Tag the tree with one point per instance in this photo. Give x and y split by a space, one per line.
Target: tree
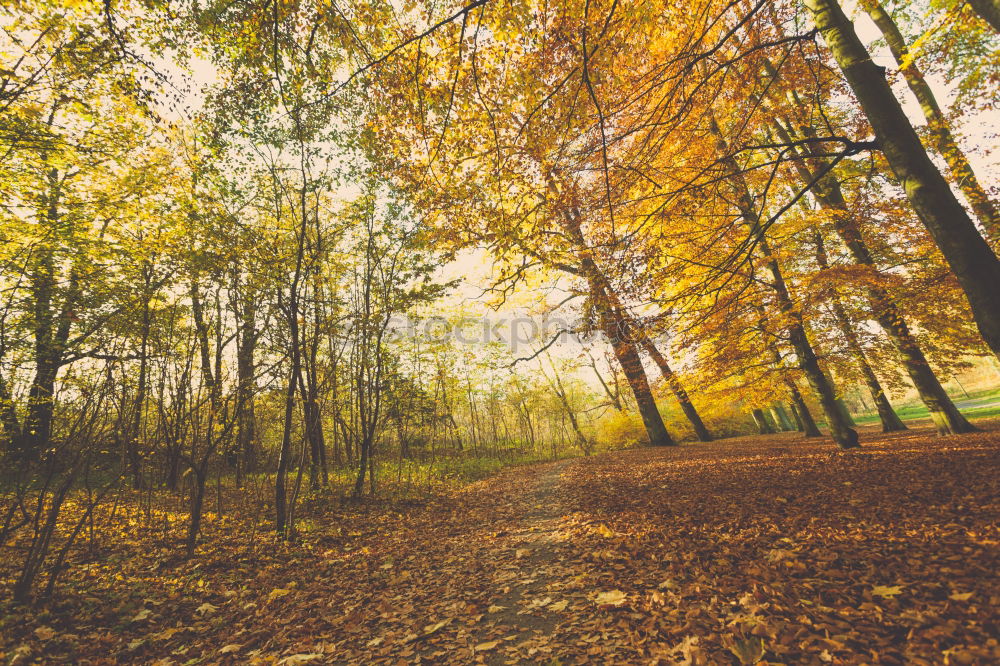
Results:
945 144
970 258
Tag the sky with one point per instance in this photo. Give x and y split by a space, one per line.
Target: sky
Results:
475 270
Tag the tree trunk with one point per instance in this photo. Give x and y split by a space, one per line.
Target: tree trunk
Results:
799 425
962 172
285 452
700 431
197 504
886 414
763 425
246 424
616 326
831 198
132 453
807 424
615 329
965 250
781 417
843 434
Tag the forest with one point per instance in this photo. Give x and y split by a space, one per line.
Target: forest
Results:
499 332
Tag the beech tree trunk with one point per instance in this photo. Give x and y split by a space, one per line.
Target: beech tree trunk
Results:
615 328
806 422
700 431
962 172
845 436
830 197
781 417
887 415
763 426
615 325
967 253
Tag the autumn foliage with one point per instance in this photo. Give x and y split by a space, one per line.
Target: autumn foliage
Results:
580 331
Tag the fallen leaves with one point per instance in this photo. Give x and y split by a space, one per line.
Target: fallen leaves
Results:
679 555
141 615
45 633
747 650
299 659
610 598
205 609
887 591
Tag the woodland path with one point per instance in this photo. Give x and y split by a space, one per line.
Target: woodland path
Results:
747 550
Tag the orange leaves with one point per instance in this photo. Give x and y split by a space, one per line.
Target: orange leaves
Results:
648 556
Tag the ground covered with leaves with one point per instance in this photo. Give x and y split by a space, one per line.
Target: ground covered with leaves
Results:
750 550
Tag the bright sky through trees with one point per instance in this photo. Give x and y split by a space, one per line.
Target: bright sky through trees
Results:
569 332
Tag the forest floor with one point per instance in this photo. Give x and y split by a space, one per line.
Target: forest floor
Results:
748 550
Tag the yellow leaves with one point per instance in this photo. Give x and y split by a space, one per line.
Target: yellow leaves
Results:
960 596
298 659
205 609
428 630
886 591
540 602
522 552
604 531
489 645
277 593
141 615
612 598
779 555
232 647
166 634
45 633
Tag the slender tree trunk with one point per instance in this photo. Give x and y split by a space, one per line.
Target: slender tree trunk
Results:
781 417
197 505
887 415
560 391
843 434
962 172
763 425
700 431
285 452
132 453
245 369
967 253
616 326
211 381
830 196
10 426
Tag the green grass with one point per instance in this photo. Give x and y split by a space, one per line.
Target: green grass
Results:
917 411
